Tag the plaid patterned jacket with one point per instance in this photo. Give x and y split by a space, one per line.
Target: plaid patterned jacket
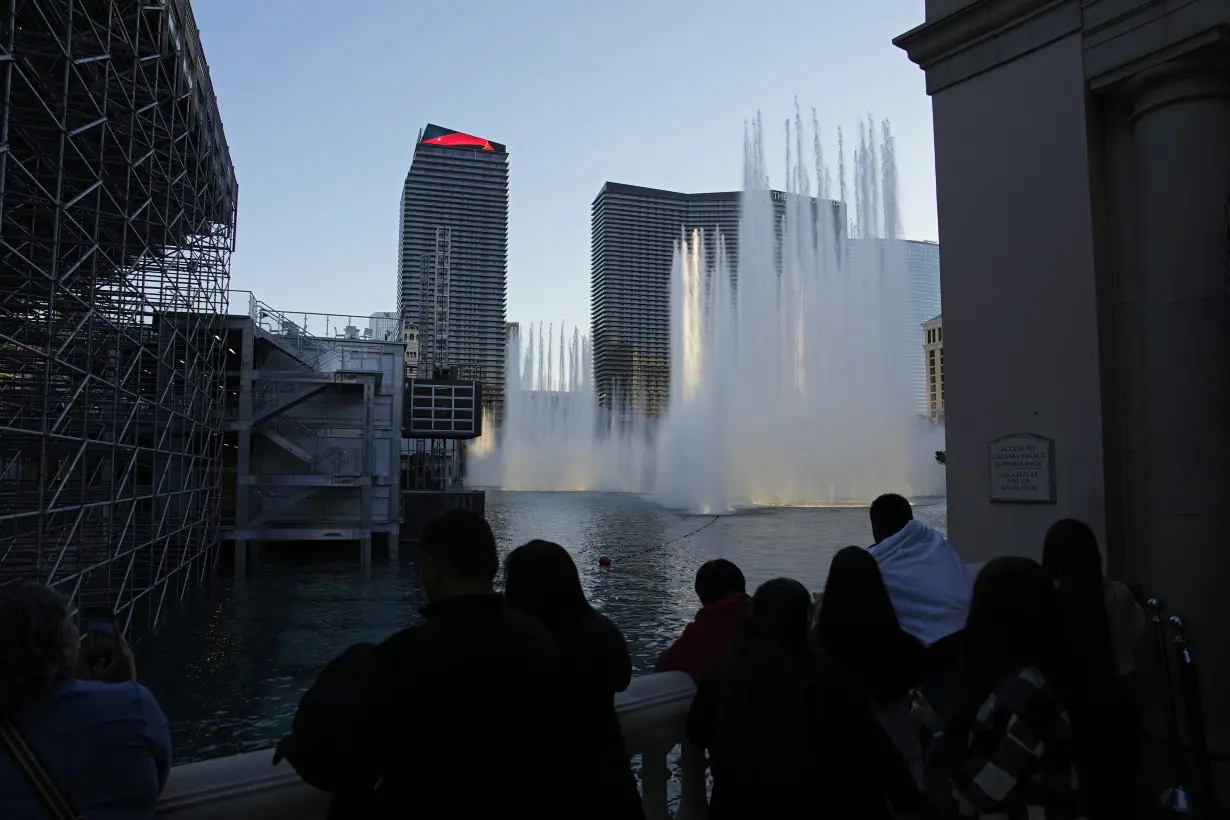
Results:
1019 763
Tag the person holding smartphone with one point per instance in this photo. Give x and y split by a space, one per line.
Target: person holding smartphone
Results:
79 737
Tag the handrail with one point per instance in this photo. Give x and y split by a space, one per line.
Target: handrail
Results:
652 712
277 324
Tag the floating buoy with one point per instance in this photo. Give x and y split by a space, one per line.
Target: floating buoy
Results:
604 561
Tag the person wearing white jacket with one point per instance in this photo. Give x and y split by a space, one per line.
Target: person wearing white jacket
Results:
928 583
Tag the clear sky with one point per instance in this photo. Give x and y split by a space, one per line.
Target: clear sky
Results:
322 102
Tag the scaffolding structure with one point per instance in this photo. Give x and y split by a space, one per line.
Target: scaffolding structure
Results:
118 206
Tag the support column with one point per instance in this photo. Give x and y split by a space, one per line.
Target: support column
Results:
1180 526
243 460
367 473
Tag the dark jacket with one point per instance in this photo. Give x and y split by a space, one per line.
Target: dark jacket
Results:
460 715
794 743
707 638
599 666
322 726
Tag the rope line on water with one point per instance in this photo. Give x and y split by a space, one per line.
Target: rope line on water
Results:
712 520
654 548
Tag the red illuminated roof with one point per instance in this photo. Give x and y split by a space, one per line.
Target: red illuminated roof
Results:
460 140
435 135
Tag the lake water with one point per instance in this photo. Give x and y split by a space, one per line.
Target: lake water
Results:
231 663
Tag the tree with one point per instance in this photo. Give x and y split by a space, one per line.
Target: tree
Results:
941 457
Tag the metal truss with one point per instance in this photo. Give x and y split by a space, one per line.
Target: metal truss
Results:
117 221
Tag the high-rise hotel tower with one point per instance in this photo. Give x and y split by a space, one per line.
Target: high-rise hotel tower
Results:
453 263
633 233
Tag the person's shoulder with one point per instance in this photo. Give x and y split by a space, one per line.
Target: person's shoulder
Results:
1119 596
128 693
528 631
411 640
603 628
123 701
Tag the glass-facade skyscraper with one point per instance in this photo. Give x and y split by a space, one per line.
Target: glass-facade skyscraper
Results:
921 294
453 255
633 231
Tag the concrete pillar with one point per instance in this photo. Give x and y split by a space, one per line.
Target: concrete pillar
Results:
1180 522
367 472
243 460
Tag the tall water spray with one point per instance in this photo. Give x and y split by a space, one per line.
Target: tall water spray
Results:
788 384
554 435
788 381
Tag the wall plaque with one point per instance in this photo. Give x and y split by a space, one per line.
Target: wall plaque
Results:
1022 469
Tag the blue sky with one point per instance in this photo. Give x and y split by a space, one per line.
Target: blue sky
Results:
322 103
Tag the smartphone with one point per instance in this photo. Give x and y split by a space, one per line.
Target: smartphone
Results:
100 644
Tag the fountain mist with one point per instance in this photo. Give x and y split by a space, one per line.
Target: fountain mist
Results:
788 383
554 435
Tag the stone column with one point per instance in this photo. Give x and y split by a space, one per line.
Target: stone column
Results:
1180 527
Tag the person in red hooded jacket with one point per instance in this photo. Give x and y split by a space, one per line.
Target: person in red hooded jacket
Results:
725 608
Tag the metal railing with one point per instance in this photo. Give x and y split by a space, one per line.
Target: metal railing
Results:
318 338
320 452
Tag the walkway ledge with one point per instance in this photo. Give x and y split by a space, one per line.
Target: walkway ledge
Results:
652 712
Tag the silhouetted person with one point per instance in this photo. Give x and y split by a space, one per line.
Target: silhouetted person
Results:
98 734
1104 624
928 584
858 628
323 725
787 735
1107 617
462 710
541 580
724 608
1011 748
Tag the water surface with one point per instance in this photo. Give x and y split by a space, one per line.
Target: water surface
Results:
230 665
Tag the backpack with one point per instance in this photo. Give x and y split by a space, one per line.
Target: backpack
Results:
319 745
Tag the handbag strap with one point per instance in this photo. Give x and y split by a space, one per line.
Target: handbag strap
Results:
55 801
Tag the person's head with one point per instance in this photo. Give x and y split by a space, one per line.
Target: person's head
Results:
1070 551
718 578
40 643
541 579
856 612
459 555
889 515
781 610
1014 621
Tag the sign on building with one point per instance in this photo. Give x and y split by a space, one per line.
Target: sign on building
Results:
1022 469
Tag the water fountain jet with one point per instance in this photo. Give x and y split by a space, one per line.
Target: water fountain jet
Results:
788 383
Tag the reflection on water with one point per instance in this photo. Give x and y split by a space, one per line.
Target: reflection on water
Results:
230 666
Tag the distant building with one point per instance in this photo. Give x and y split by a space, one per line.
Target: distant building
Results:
383 326
922 266
933 361
453 261
410 335
511 329
633 231
922 299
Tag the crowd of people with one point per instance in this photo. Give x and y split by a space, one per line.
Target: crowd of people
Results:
906 688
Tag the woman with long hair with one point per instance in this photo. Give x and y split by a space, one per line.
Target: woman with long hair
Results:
858 627
1102 614
1104 624
106 747
1011 747
785 730
541 580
